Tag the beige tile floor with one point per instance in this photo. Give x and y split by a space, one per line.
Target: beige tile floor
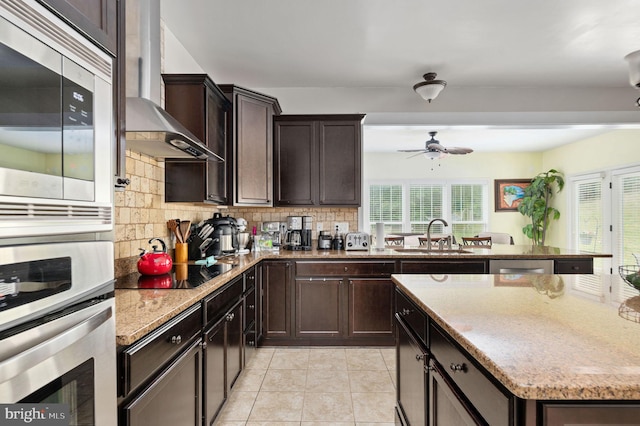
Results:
314 386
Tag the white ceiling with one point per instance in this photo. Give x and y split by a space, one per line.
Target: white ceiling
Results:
525 75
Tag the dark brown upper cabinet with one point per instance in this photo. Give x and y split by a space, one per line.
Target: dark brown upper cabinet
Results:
197 102
250 139
317 160
97 19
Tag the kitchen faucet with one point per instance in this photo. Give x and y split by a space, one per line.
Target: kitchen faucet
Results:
444 222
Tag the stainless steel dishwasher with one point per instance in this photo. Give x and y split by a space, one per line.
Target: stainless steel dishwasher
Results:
521 266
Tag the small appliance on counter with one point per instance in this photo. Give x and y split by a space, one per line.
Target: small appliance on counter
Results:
271 231
298 235
357 241
216 237
324 240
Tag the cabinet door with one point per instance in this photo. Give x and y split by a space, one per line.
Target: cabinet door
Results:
340 145
214 370
233 344
446 405
217 109
295 163
95 18
411 375
277 299
319 307
254 151
174 398
371 308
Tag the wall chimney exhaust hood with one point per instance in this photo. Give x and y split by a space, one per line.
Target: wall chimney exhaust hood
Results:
150 129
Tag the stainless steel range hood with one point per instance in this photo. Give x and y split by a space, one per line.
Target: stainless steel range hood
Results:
150 129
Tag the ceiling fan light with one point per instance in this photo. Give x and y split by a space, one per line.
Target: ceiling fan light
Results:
430 88
432 154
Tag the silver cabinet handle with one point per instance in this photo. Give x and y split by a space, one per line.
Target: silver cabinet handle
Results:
230 317
176 340
419 357
457 367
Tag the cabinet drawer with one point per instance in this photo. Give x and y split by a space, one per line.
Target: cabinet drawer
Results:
214 306
250 308
338 268
412 316
486 397
142 359
250 279
573 266
444 267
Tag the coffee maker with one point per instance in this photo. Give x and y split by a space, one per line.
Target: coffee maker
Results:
298 235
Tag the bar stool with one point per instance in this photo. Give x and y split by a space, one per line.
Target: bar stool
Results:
394 241
484 242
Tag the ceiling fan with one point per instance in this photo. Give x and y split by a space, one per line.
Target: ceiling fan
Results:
433 149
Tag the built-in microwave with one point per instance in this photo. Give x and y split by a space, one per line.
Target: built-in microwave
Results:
56 126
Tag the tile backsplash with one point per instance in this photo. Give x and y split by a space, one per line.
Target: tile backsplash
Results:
141 212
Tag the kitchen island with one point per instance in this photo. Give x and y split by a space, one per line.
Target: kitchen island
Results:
530 349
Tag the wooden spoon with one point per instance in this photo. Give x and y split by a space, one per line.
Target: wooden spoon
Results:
185 229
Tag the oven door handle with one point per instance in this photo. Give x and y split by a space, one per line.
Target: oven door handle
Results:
23 361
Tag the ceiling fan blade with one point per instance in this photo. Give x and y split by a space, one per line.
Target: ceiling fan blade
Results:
415 155
458 150
411 150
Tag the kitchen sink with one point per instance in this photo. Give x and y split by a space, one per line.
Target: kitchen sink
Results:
425 250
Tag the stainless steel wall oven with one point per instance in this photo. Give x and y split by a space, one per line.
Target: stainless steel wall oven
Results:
57 308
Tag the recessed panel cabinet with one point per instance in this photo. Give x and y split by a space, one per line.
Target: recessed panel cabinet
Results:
199 105
318 160
97 19
250 139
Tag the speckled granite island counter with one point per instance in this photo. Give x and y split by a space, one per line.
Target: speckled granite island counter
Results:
556 344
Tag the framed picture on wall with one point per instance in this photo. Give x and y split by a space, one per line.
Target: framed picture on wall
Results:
509 193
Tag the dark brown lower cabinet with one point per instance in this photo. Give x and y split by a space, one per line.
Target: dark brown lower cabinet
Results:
447 406
174 398
411 386
319 307
371 307
466 266
277 287
214 384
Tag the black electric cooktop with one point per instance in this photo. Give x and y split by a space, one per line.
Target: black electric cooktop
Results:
182 276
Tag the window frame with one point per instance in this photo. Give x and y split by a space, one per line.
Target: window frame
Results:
447 184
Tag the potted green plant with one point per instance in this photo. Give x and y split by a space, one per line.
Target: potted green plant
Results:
535 204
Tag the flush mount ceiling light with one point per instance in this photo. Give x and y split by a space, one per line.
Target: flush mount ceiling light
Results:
430 88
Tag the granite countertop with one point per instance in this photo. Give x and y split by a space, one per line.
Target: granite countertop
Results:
542 336
139 311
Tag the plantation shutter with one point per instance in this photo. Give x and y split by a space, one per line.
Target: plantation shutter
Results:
588 228
425 204
626 188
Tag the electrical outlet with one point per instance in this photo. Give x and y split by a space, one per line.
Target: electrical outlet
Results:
319 226
343 227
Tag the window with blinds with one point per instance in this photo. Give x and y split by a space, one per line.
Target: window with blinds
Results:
626 226
385 205
410 206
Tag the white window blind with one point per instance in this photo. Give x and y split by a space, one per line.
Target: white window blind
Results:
626 189
385 205
410 206
425 204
